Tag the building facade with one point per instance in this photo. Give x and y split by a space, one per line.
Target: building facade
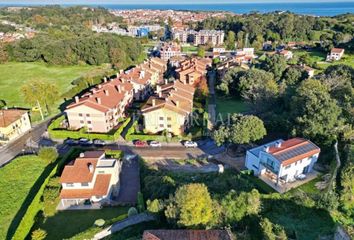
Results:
91 178
169 50
202 37
13 123
335 54
283 160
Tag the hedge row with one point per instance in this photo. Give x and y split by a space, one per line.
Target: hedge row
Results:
36 205
56 132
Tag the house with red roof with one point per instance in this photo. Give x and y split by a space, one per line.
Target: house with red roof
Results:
13 123
283 161
335 54
89 179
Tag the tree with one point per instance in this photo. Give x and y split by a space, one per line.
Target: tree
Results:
242 129
201 51
236 206
316 115
347 192
154 206
230 41
40 92
132 212
192 206
48 154
2 104
293 76
275 64
267 229
38 234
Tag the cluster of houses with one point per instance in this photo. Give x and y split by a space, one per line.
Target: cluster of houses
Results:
133 31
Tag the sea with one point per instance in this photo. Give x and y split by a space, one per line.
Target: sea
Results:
330 8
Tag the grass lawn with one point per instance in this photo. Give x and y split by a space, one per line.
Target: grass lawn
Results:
189 49
16 181
67 224
13 75
225 105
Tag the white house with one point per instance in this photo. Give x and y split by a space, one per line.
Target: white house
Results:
283 160
335 54
90 178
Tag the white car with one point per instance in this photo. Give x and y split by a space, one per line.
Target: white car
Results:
190 144
155 144
301 177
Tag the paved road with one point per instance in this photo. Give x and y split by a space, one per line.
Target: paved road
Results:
17 147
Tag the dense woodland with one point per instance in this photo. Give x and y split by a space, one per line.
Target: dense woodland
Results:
253 29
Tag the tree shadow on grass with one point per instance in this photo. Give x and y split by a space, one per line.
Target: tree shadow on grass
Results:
299 221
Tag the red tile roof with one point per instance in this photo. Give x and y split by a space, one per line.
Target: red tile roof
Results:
187 235
100 188
8 116
78 171
337 50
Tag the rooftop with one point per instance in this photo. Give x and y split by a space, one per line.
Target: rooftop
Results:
8 116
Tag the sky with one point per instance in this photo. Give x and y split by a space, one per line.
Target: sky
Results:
155 1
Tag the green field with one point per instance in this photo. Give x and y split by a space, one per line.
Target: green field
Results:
67 224
17 180
229 105
14 75
190 49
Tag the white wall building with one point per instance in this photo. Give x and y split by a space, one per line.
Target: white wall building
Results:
283 160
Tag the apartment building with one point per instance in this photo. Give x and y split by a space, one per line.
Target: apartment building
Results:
141 81
156 67
168 50
13 123
89 179
203 37
101 109
169 109
192 70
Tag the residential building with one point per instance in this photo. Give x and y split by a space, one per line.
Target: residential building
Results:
183 234
141 81
13 123
101 108
286 54
282 161
203 37
169 50
190 71
335 54
310 71
156 67
169 109
90 178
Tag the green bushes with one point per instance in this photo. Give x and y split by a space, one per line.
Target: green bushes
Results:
38 234
141 205
132 212
55 131
48 154
114 153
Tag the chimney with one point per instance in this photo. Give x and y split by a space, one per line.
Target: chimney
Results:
82 155
105 79
99 86
76 99
160 94
166 81
118 87
90 167
266 148
106 92
153 102
278 144
98 100
177 104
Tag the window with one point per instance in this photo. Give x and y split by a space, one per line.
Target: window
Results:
169 125
161 118
287 167
84 184
81 121
69 184
169 118
87 115
89 122
161 125
80 114
254 166
90 129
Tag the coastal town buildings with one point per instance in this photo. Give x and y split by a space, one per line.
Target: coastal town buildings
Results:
168 50
283 161
335 54
13 123
90 179
190 71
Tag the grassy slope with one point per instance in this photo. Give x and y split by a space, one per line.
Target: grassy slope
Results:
66 224
14 75
16 180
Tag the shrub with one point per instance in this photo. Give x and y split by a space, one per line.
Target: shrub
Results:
132 212
38 234
154 206
141 205
48 154
99 222
114 153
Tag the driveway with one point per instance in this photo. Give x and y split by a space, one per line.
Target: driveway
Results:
129 182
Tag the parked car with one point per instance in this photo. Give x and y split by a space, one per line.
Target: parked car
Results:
155 144
99 142
71 142
301 177
140 143
190 144
84 142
